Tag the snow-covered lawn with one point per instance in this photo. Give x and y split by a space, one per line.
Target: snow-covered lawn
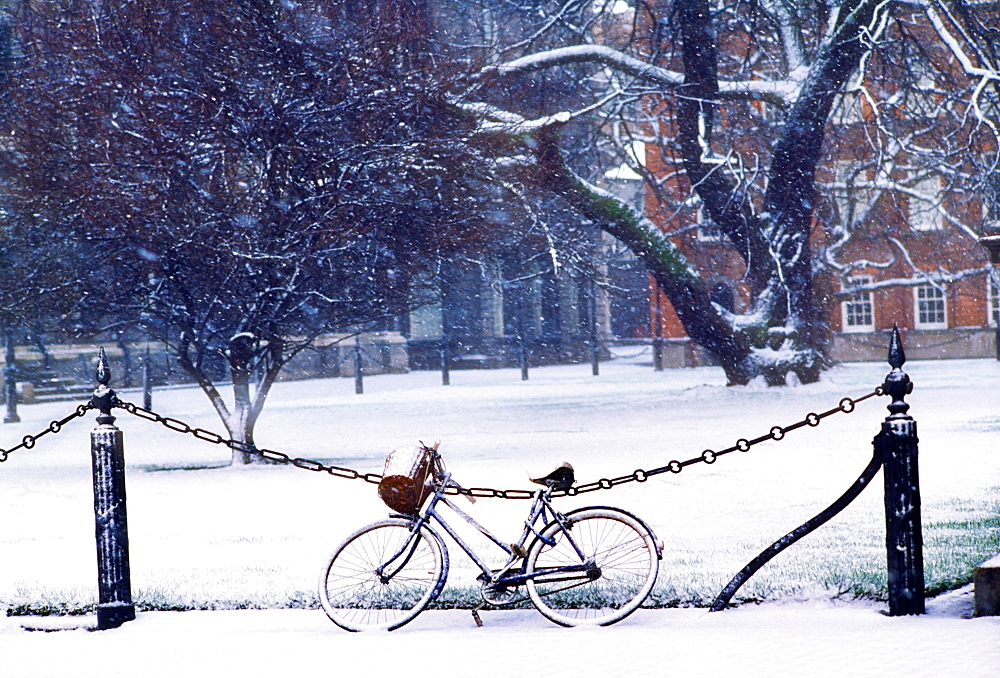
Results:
234 537
207 537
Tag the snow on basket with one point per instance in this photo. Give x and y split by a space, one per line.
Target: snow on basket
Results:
406 480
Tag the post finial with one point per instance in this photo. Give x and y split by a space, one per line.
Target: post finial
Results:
897 383
103 371
897 356
104 398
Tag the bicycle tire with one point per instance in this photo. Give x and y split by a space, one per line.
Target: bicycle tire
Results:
626 563
355 598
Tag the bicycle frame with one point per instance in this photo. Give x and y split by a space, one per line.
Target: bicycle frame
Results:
541 510
589 566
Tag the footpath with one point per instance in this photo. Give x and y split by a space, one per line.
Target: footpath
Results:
797 638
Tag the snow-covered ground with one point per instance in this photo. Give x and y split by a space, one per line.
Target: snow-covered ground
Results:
208 537
811 640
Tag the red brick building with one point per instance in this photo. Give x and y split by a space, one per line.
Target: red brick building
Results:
894 238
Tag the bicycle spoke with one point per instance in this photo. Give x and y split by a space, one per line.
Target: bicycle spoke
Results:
355 596
621 567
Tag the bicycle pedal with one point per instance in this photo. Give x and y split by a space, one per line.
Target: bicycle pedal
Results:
518 551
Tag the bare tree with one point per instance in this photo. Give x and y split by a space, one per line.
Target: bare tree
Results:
236 178
748 104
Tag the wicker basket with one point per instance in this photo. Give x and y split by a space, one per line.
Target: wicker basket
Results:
406 480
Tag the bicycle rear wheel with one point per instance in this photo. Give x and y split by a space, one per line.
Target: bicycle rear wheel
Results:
383 576
614 577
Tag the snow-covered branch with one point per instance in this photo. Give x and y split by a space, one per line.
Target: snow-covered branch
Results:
780 92
959 51
920 278
790 30
589 54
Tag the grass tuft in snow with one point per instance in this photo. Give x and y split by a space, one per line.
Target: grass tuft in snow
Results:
952 550
46 602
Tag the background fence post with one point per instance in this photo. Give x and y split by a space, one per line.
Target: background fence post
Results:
10 378
107 452
657 334
359 374
595 349
522 356
445 361
897 445
147 381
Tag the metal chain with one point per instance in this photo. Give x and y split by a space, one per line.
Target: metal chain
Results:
270 455
27 442
846 406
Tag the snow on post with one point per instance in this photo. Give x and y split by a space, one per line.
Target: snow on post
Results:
107 452
897 445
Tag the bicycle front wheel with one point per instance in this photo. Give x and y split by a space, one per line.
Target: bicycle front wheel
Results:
383 576
613 577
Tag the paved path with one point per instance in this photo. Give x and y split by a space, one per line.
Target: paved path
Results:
780 639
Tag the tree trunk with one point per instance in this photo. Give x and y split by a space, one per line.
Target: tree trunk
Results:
777 251
682 285
242 349
729 208
241 422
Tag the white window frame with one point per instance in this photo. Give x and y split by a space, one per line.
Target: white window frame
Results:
988 217
710 233
924 214
858 306
926 294
624 171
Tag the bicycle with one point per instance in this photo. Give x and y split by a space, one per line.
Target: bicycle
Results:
591 566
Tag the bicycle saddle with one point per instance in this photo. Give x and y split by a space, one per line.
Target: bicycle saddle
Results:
560 479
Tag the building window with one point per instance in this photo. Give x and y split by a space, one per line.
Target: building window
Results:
857 309
925 206
707 230
624 172
847 110
930 309
992 302
851 192
990 179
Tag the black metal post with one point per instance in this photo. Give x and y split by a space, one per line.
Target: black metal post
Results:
657 332
595 362
896 443
10 378
126 361
147 381
522 325
523 356
359 377
167 367
107 452
445 361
